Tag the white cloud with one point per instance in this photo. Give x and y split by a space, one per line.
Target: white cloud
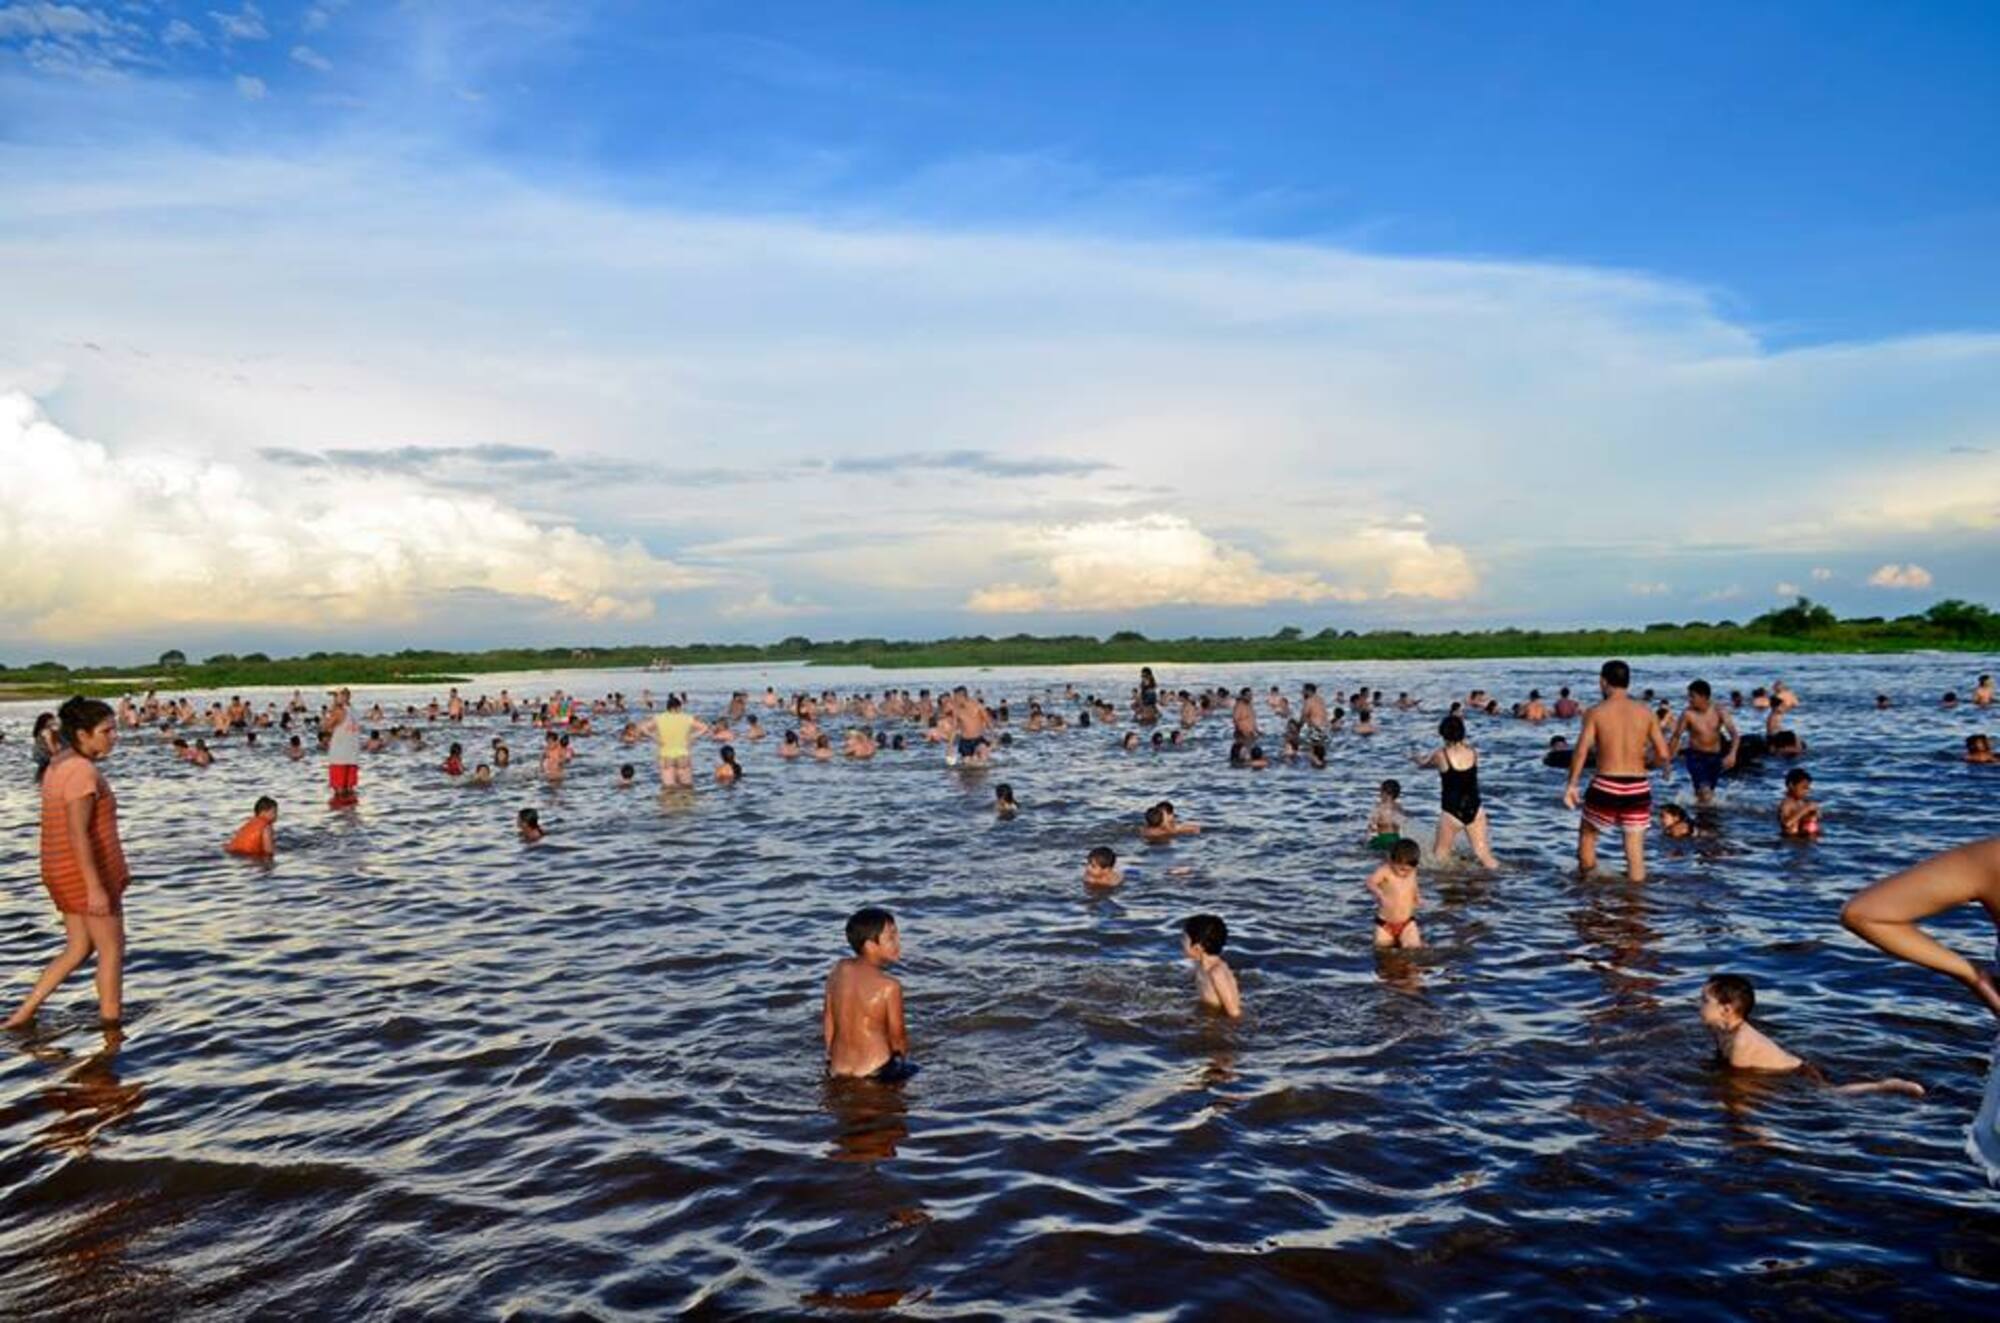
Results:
95 544
1900 576
246 24
1164 560
250 89
1821 574
180 32
1648 589
311 58
1728 594
1786 590
49 20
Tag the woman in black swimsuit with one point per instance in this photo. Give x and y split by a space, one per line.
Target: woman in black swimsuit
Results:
1458 783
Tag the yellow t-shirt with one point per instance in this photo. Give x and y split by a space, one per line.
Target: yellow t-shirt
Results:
674 728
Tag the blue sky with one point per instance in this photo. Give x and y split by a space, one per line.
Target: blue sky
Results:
677 321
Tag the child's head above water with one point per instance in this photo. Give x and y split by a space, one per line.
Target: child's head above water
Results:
1674 820
1727 1000
265 804
1392 789
873 926
1405 853
1206 933
1796 778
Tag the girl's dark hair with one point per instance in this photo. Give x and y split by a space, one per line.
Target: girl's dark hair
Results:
1452 730
80 714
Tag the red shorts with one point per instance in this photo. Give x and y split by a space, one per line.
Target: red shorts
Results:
1624 803
343 776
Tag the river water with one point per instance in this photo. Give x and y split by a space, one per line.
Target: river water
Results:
415 1068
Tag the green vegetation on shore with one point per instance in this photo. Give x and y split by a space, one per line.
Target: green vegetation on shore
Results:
1802 627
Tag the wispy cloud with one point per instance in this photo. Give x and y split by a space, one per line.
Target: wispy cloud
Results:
311 59
981 462
246 24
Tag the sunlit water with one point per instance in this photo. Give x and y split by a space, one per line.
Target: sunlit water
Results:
416 1068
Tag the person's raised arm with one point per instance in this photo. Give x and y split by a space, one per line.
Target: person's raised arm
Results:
1886 914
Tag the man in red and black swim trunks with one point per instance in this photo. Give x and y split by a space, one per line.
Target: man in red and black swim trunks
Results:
1621 733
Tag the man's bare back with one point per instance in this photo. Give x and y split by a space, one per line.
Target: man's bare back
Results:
863 1018
1621 730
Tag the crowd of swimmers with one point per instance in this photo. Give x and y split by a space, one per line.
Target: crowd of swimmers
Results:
1623 743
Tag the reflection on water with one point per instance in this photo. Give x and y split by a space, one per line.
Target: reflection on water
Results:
425 1070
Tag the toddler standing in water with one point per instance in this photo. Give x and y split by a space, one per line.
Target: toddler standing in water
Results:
1726 1003
1385 824
861 1016
1394 884
1202 940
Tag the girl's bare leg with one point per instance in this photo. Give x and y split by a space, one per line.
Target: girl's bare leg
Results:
1477 833
76 949
1886 914
107 932
1447 837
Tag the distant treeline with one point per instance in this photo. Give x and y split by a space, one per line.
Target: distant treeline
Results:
1802 627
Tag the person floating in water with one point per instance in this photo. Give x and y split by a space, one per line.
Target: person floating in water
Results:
1202 939
1798 815
1979 749
861 1017
1727 1001
1703 725
255 839
1394 885
1162 825
1675 824
1100 869
1617 735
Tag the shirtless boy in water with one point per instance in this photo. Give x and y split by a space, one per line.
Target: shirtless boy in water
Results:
1202 940
1703 724
862 1016
1394 884
254 839
1619 733
1726 1003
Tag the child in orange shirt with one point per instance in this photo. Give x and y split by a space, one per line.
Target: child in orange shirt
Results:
254 838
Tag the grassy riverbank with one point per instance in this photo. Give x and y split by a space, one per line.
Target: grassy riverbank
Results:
1804 627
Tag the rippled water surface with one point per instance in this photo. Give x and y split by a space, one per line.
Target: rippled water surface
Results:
415 1068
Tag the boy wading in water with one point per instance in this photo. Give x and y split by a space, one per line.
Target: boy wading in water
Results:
1620 732
863 1013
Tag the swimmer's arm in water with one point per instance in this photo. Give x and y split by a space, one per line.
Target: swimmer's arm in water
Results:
1886 914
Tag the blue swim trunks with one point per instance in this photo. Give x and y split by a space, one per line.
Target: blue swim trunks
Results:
1704 769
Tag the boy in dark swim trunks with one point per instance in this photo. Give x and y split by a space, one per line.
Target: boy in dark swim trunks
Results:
1726 1003
1394 884
1703 725
1202 939
861 1016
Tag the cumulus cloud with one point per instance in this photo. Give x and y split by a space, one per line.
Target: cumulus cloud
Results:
311 59
1785 589
49 20
1900 576
1165 560
95 543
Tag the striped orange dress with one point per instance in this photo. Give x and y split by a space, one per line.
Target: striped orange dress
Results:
72 777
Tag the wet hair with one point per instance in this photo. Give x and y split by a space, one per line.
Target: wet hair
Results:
1256 752
865 925
1951 696
673 702
1405 852
264 802
1699 688
1003 793
1974 743
1734 991
791 737
1452 730
1616 674
80 714
1393 788
1674 811
528 818
1798 776
626 771
1103 856
1206 931
457 750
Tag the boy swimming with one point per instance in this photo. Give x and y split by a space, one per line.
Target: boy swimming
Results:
528 824
1003 801
254 838
1702 724
1394 884
1161 824
1202 940
1675 824
861 1016
1100 868
1726 1003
